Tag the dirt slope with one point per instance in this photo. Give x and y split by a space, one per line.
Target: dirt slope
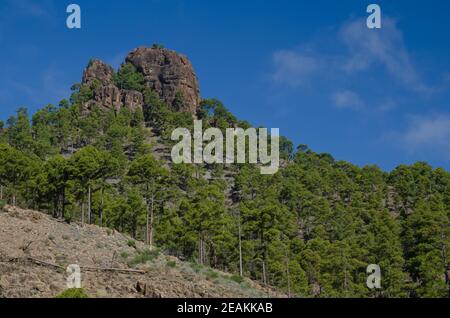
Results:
35 250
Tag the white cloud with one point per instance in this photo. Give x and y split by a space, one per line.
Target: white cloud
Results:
385 47
430 133
347 100
347 58
294 68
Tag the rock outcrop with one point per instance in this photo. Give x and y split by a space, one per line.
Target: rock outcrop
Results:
166 72
107 95
98 70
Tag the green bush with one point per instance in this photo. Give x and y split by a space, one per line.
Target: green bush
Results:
211 274
131 243
73 293
129 78
2 204
237 278
196 267
171 264
143 257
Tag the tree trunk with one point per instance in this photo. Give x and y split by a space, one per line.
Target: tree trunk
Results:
63 208
55 211
101 209
264 273
89 204
147 207
82 211
288 277
241 272
1 192
201 249
151 222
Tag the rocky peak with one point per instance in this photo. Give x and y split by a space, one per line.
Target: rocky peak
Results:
166 72
169 74
98 70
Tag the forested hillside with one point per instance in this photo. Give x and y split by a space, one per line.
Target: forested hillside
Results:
309 230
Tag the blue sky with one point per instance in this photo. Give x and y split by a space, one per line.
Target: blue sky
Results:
310 68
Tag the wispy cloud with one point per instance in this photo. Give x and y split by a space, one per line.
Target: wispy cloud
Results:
51 87
347 99
294 68
384 47
348 57
425 134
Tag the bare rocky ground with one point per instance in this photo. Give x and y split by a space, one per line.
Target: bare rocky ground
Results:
35 250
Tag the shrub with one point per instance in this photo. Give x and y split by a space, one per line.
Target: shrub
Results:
2 204
196 267
131 243
129 78
237 278
211 274
73 293
171 264
124 254
143 257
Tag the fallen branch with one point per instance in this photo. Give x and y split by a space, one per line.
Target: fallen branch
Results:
39 262
85 268
124 270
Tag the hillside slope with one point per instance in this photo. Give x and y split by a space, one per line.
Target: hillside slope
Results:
35 249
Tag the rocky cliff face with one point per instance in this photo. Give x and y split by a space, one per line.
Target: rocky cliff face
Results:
166 72
107 95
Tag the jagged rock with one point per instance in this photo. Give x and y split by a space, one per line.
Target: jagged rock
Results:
132 100
107 95
168 73
98 70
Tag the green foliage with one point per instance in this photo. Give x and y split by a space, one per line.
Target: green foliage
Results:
214 113
171 264
309 230
237 278
131 243
157 46
73 293
211 274
129 78
144 256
